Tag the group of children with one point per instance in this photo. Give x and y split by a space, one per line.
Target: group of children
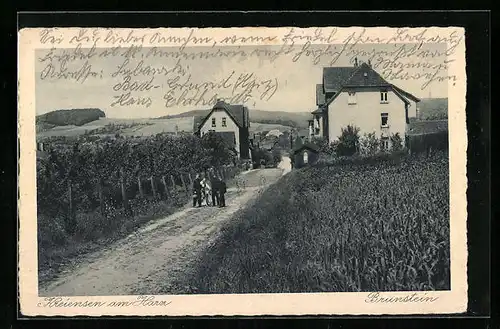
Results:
202 187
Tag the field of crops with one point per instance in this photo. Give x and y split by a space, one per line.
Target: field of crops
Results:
381 225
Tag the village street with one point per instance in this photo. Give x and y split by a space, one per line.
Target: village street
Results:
153 258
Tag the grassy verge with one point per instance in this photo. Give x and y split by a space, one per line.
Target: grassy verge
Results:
374 225
58 249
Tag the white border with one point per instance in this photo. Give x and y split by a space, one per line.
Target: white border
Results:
454 301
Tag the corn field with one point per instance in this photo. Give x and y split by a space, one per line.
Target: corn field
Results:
377 226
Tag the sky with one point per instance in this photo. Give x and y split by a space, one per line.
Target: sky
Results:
290 79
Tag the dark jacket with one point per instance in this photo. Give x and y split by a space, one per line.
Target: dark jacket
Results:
222 187
197 184
215 184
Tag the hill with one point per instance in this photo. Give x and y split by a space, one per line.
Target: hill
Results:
283 118
433 108
74 117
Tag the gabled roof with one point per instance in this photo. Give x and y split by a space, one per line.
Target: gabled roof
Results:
405 93
365 76
307 145
337 78
334 78
236 112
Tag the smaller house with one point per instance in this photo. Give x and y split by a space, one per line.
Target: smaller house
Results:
232 123
304 154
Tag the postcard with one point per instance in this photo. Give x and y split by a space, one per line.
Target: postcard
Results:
242 171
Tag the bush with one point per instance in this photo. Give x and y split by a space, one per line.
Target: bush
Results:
348 141
396 142
323 145
369 144
276 154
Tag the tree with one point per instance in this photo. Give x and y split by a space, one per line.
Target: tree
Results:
218 152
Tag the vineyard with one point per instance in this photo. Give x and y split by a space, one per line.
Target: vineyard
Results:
377 225
91 190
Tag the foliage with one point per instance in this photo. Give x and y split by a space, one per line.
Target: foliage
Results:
324 146
94 168
262 156
348 141
77 117
352 226
369 144
396 142
276 156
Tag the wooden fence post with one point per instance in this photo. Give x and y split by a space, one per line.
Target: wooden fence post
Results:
190 179
153 189
184 184
174 186
141 192
165 186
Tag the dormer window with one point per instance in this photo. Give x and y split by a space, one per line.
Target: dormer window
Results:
351 98
383 96
213 122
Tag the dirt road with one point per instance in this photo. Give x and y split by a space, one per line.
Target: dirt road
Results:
137 264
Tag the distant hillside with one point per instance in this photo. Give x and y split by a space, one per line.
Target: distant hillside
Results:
291 119
75 117
433 109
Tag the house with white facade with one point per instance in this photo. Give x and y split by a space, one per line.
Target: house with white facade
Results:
232 123
359 96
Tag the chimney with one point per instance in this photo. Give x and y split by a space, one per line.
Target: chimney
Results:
355 61
369 63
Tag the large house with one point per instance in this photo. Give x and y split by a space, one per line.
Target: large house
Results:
232 123
359 96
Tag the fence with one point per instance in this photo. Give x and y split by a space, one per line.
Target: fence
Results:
127 190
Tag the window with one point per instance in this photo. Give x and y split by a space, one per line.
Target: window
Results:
384 143
224 123
351 98
213 122
383 97
306 157
384 119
